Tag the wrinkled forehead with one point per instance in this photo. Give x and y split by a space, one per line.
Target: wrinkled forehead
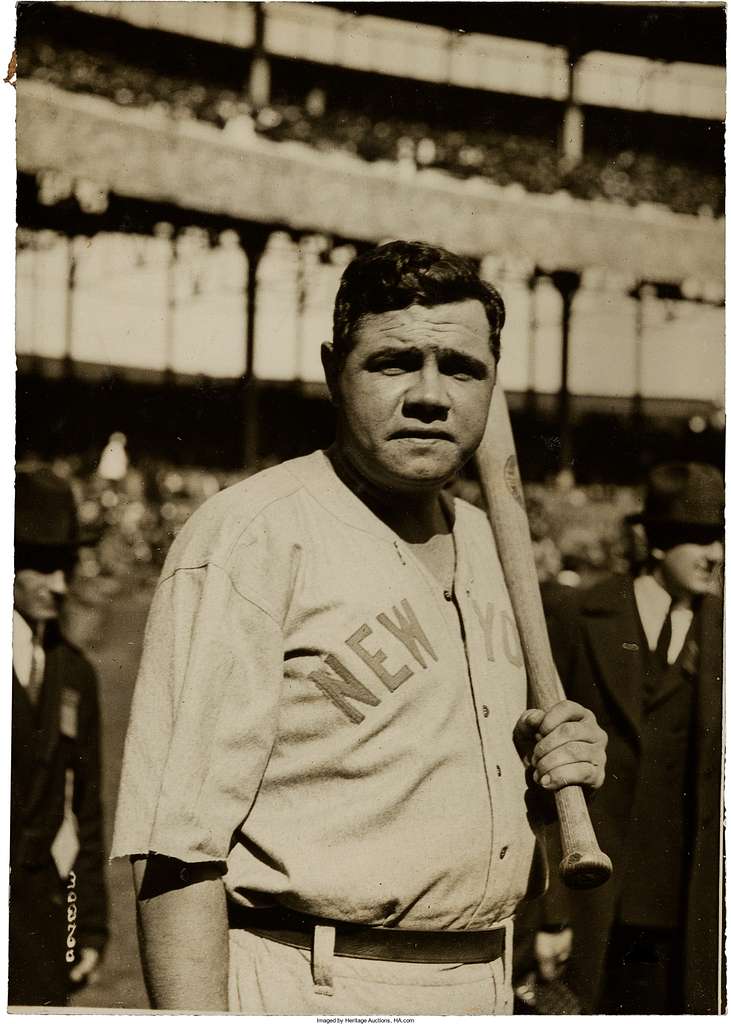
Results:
452 324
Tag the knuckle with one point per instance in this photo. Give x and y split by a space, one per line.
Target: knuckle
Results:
575 751
565 732
539 751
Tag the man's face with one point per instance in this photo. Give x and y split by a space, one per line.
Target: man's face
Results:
38 595
413 394
687 570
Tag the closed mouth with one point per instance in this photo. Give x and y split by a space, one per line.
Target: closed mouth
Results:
422 435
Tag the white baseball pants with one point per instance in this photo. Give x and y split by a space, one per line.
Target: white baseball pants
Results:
267 977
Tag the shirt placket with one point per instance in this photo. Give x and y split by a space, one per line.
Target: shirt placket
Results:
495 734
456 600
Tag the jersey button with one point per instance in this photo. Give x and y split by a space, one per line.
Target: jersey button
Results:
447 595
503 852
485 711
499 771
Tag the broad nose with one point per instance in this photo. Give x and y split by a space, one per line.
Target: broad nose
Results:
428 397
714 552
57 582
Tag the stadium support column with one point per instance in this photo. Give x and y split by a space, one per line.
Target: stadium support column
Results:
566 283
572 134
68 327
643 294
259 71
532 370
253 242
167 233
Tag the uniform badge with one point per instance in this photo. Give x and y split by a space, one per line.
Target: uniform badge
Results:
69 723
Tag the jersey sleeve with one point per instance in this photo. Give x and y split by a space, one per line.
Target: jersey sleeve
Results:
203 718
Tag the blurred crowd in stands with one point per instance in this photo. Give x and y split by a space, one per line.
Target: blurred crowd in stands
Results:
130 514
485 154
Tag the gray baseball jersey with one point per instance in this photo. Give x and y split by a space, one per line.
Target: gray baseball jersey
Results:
314 711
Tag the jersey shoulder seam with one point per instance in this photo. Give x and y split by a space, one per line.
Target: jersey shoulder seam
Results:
209 562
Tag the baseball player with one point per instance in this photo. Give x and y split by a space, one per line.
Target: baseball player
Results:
325 782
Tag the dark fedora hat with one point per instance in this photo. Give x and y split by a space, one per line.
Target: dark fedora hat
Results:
45 511
684 494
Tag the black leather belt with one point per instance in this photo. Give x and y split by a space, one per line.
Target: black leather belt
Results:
357 940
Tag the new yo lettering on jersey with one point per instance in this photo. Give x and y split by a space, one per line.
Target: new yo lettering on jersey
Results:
500 633
384 653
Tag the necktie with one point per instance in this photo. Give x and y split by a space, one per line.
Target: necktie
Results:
663 641
37 669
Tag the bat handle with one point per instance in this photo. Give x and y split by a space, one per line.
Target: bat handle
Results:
584 865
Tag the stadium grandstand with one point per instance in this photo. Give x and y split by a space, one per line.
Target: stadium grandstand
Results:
192 178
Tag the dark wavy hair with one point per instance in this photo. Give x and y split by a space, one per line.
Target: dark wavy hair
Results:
400 274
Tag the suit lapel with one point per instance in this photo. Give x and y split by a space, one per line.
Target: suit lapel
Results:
673 678
50 706
23 711
616 643
680 673
47 727
707 657
23 740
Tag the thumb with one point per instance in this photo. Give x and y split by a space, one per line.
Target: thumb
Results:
525 733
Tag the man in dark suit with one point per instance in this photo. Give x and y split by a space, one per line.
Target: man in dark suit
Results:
645 654
57 922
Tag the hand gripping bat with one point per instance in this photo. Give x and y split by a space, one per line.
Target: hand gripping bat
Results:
583 866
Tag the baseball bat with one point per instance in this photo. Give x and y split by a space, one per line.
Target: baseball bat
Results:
584 865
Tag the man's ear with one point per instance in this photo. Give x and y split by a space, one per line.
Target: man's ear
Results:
331 366
658 554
